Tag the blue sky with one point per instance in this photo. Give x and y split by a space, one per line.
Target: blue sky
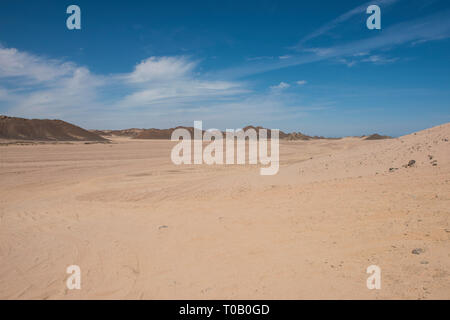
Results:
309 66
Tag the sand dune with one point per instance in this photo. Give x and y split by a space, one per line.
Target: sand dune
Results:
142 228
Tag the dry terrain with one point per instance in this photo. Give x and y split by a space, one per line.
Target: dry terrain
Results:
141 227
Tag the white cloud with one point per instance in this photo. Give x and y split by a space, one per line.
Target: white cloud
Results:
38 87
32 86
301 82
361 54
169 80
282 85
259 58
191 90
349 63
161 69
377 59
14 63
158 92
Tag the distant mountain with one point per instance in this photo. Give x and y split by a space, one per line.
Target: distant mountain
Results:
298 136
58 130
167 133
44 130
133 132
281 135
142 133
376 136
161 133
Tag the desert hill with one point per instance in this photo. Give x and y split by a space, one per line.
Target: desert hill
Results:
167 133
376 136
161 133
44 130
133 132
14 128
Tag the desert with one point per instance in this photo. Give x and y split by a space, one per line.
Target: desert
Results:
141 227
223 159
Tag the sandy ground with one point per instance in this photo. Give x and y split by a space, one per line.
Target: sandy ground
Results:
142 228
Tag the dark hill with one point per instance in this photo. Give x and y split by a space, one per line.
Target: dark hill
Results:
376 136
43 130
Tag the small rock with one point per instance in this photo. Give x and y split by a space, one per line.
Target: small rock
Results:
423 262
430 157
163 227
392 169
417 251
411 163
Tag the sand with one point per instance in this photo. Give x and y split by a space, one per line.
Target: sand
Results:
140 227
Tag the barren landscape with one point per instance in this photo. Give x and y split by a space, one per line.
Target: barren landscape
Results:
141 227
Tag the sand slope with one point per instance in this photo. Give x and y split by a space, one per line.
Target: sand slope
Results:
142 228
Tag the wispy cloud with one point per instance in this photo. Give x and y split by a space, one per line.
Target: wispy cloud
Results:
161 69
159 91
342 18
374 59
168 80
349 63
259 58
34 86
15 64
377 59
282 85
430 28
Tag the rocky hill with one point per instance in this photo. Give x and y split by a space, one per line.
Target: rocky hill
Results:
13 128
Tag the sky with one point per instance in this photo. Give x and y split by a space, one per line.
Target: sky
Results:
308 66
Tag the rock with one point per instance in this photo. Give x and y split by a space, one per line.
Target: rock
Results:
163 227
417 251
411 163
392 169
